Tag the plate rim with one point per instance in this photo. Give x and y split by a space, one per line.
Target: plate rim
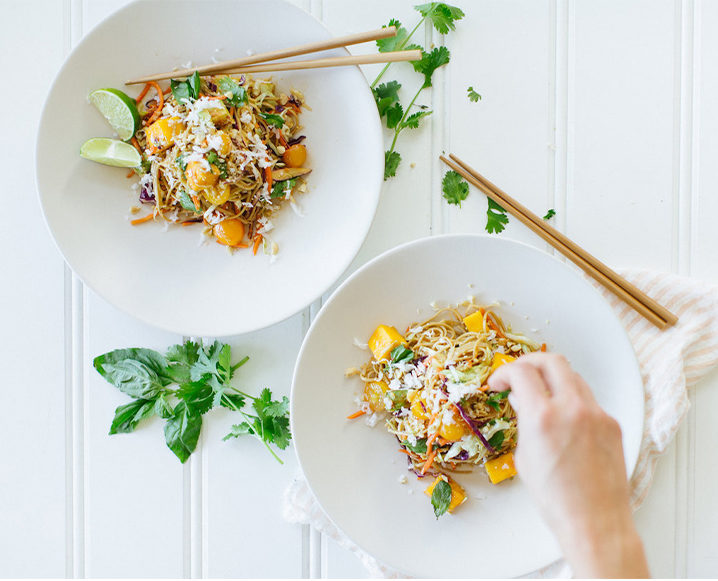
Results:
374 133
427 240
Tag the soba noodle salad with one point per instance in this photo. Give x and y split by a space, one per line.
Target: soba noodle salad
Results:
429 386
224 152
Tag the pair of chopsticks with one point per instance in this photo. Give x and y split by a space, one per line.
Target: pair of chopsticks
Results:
636 298
242 65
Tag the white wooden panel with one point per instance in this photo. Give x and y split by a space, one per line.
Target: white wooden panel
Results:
703 502
404 211
32 481
503 50
133 482
620 203
244 534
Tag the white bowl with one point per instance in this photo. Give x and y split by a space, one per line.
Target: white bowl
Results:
165 278
354 470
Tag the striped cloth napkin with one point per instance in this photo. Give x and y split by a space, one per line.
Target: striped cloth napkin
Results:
671 361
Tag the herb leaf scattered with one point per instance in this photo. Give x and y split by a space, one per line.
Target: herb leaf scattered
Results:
218 162
396 42
473 95
187 203
419 447
272 119
494 399
235 93
203 374
386 95
430 61
412 121
441 15
401 354
496 440
180 90
391 162
549 214
441 498
496 218
454 188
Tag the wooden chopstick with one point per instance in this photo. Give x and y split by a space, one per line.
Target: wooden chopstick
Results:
632 295
321 45
337 61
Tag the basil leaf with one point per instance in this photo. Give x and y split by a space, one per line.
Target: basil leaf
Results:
441 498
182 431
496 440
163 408
187 203
194 85
129 415
280 189
180 90
273 119
141 373
419 447
401 354
236 95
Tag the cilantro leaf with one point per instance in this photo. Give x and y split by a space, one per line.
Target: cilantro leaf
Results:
194 84
393 43
187 203
198 394
441 15
454 188
231 401
394 115
392 159
496 218
473 95
494 399
182 430
280 189
496 440
272 119
550 214
401 354
271 424
141 373
129 415
214 361
419 447
217 161
430 61
412 121
239 430
236 94
386 95
441 497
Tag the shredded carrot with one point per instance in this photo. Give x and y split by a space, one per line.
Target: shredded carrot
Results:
493 325
190 222
282 140
257 241
356 415
430 440
136 144
220 97
195 201
142 94
405 451
167 91
429 461
158 110
130 174
268 177
142 220
543 347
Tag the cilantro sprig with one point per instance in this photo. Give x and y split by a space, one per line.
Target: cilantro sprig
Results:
202 375
474 97
397 117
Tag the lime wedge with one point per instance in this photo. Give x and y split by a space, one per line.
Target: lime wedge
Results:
119 110
110 152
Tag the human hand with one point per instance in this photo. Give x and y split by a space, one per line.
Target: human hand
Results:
570 457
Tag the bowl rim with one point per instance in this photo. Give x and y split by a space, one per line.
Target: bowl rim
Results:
397 250
374 133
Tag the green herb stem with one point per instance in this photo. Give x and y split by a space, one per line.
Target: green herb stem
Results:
399 125
401 46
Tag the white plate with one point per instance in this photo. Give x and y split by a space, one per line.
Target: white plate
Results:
354 470
165 278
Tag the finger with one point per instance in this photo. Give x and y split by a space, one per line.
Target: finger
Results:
527 385
558 375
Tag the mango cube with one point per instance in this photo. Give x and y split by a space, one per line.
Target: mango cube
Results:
500 468
161 134
384 340
499 360
458 495
374 395
474 322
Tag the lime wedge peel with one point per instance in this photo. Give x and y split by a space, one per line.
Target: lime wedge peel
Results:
119 109
110 152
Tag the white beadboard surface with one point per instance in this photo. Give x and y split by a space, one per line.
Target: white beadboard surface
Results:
606 111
